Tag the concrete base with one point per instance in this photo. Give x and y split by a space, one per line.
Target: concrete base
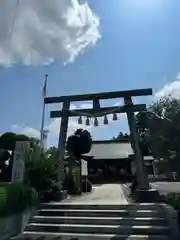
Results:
63 195
148 196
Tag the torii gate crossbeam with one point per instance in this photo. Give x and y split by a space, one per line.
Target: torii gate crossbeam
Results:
128 107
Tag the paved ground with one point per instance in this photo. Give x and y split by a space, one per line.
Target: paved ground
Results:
102 194
164 187
167 187
114 194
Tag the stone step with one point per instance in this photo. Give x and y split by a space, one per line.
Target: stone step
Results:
156 221
101 229
90 206
79 236
99 213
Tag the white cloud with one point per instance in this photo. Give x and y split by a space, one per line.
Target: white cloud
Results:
29 131
72 106
86 105
43 31
171 89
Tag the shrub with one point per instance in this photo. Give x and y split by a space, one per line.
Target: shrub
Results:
42 171
52 193
15 197
172 199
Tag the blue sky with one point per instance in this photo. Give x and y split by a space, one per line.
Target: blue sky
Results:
139 48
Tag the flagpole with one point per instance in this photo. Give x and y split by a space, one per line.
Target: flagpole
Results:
43 113
42 126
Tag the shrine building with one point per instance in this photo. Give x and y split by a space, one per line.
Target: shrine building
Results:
111 160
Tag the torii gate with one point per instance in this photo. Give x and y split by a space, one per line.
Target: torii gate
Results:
129 108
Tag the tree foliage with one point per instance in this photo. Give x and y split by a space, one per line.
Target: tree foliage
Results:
4 156
79 143
41 171
7 144
164 131
142 120
8 140
40 166
121 136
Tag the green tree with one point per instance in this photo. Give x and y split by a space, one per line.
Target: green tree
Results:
121 136
41 172
40 166
52 154
8 140
5 168
77 144
164 131
7 143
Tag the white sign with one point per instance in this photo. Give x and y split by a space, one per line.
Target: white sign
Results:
19 158
84 168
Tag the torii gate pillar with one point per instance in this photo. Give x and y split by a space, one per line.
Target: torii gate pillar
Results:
62 140
142 176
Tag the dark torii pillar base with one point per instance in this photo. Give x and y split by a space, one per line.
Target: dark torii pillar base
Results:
148 196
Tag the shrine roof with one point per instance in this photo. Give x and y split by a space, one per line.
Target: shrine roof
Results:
112 149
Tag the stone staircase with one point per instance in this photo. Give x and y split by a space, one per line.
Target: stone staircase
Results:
69 221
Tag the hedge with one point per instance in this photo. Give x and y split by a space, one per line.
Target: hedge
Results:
15 197
172 199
